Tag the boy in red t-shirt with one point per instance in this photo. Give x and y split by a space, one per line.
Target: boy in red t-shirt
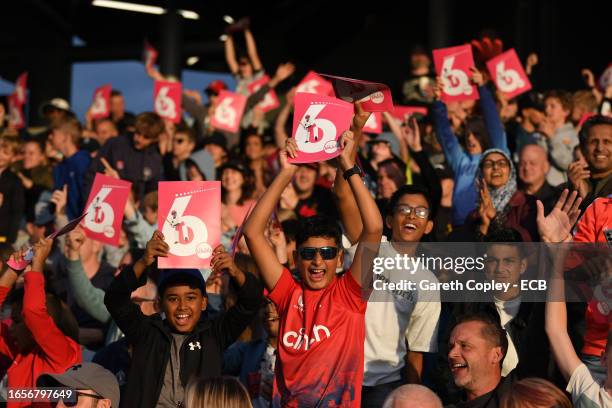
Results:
322 328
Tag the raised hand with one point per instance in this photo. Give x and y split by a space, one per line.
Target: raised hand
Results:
41 251
284 71
60 198
477 77
347 159
438 89
412 135
557 226
589 78
193 94
360 118
74 241
578 174
108 169
486 210
155 247
223 262
532 61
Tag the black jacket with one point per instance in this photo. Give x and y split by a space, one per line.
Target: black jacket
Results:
151 338
143 168
12 203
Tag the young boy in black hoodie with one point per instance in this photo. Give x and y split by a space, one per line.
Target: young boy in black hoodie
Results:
168 352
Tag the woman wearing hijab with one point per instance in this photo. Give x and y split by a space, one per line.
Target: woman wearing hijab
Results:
500 203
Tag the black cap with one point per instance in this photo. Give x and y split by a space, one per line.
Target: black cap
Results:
173 277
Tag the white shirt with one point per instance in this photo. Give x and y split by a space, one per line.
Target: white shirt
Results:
392 319
586 392
507 310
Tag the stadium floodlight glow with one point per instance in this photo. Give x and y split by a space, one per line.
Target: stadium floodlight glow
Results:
192 60
142 8
228 19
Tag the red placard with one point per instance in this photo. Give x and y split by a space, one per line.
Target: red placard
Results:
15 113
318 122
401 113
229 111
189 216
149 54
453 67
167 97
508 74
270 100
374 97
374 123
315 84
21 88
100 108
104 209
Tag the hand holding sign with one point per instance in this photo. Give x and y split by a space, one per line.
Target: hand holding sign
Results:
74 241
108 169
156 247
317 124
347 158
452 66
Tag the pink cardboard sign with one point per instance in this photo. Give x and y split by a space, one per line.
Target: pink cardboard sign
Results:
189 216
229 111
100 108
374 123
270 100
315 84
318 123
105 207
167 97
29 254
508 74
374 97
15 114
21 88
453 67
149 54
401 113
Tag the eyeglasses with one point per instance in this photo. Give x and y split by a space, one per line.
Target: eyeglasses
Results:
327 252
78 394
421 212
490 164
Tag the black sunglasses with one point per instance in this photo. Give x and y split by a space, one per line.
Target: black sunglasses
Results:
327 252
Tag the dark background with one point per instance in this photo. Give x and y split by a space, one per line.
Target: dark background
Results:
369 40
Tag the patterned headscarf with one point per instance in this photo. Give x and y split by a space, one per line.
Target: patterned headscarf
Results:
499 196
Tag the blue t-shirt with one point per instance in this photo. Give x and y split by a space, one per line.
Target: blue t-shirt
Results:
71 171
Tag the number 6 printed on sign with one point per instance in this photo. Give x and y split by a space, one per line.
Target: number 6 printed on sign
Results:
318 122
104 209
229 110
189 216
453 67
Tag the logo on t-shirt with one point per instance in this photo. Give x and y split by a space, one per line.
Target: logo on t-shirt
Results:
301 340
300 304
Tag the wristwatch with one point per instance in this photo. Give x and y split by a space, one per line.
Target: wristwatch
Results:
353 170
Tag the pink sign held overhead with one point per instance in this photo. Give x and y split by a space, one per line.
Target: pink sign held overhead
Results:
374 123
402 113
508 74
105 207
315 84
100 108
374 97
149 55
453 67
229 111
15 112
318 123
270 100
167 100
21 88
189 216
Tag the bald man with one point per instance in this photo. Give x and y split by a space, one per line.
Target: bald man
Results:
412 396
532 170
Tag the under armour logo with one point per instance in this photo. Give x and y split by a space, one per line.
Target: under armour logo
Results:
193 346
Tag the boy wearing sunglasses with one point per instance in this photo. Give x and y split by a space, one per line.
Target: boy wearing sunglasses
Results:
320 350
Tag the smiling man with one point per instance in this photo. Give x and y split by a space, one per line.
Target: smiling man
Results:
168 351
477 348
320 350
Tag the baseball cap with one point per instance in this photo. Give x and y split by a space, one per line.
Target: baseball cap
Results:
236 165
85 376
55 103
216 139
215 87
189 277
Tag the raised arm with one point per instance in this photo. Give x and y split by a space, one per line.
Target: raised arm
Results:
265 258
345 201
493 122
252 50
444 132
280 135
371 233
396 129
553 228
230 55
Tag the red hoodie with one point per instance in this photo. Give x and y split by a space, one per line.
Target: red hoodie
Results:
54 352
